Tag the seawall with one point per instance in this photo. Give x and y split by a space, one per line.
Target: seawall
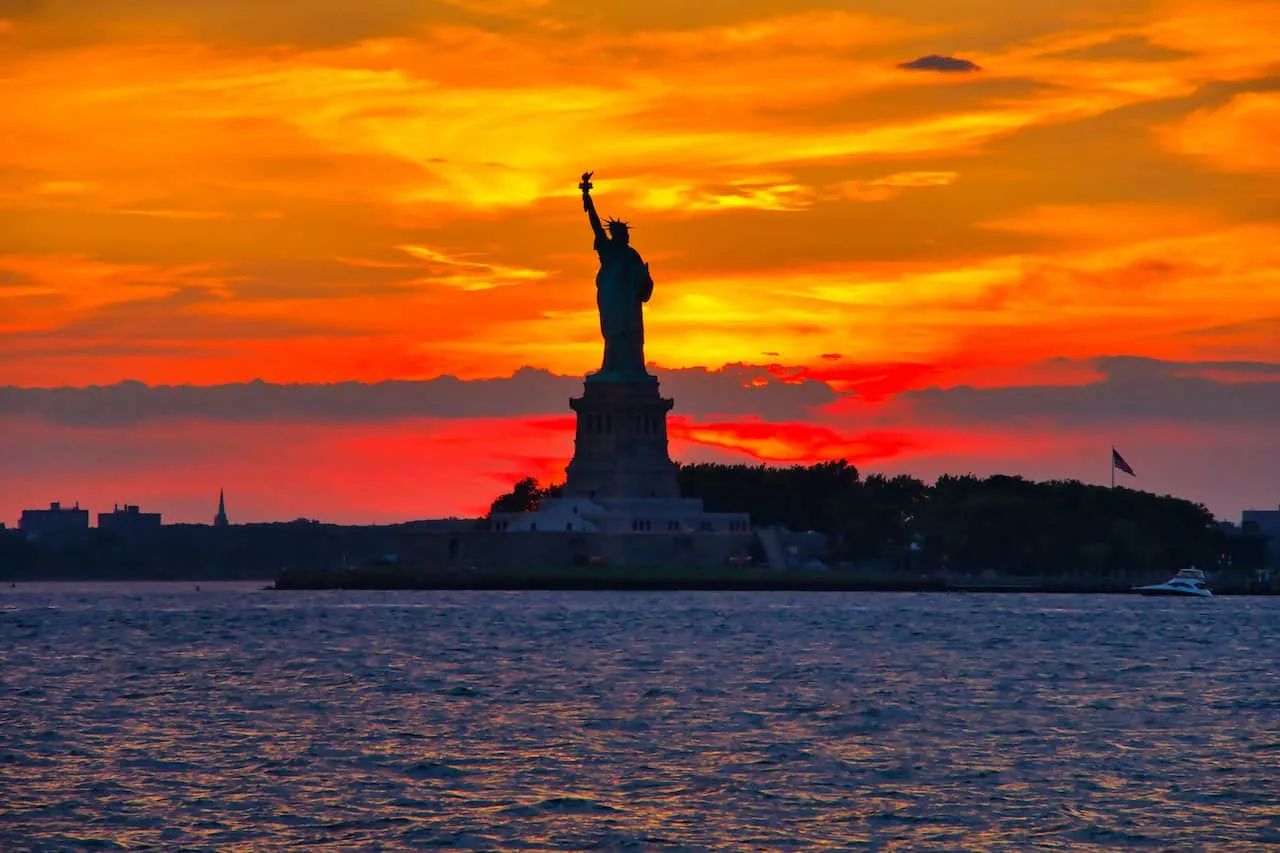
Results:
700 579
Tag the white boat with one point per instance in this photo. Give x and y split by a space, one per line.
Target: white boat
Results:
1188 582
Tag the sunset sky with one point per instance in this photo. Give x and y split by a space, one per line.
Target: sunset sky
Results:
927 236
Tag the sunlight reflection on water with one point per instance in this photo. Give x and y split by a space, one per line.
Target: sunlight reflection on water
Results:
239 719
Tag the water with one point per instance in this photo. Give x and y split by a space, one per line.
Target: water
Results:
136 716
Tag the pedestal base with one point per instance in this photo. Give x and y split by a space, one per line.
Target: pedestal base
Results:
620 447
614 378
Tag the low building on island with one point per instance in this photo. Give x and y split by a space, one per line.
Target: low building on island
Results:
129 520
56 522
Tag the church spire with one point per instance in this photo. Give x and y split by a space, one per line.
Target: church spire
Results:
220 520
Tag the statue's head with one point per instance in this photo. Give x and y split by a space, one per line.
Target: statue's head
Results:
619 231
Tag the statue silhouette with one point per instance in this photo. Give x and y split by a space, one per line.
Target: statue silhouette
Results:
623 285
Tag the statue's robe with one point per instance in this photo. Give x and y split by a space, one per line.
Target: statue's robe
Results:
623 284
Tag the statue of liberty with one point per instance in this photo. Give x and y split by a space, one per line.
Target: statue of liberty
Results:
623 285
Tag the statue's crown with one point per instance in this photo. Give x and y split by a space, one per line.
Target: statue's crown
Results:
612 224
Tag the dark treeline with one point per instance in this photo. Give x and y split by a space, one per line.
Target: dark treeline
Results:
965 524
525 496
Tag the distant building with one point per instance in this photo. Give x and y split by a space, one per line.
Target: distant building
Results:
1264 522
128 521
220 520
54 521
668 516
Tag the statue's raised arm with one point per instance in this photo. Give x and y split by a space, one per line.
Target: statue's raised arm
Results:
590 207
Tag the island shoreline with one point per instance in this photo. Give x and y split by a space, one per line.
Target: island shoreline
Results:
666 580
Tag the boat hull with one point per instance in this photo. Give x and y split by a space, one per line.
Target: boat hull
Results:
1168 592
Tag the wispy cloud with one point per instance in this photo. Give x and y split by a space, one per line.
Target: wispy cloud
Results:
889 186
1236 136
466 274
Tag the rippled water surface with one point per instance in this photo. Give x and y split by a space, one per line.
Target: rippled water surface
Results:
234 718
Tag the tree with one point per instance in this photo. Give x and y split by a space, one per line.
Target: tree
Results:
796 497
525 496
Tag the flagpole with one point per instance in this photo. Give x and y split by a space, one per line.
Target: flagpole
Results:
1113 466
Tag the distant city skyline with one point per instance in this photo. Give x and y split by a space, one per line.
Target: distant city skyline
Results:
95 512
927 237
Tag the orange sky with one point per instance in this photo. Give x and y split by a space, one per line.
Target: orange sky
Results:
311 191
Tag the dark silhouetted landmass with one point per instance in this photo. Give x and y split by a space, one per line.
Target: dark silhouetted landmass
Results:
725 579
966 527
881 532
197 552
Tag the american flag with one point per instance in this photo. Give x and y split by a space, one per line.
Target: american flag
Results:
1118 461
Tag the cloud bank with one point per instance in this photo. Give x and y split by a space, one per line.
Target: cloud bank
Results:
1133 390
735 390
1124 389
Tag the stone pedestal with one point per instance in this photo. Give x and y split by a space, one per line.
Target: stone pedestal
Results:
621 503
620 448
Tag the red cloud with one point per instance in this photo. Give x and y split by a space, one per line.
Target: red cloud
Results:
792 442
